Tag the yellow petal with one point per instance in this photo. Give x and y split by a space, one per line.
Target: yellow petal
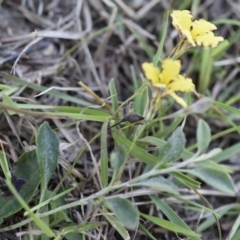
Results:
201 26
182 84
160 85
170 70
189 37
182 20
198 32
178 99
203 35
151 72
208 40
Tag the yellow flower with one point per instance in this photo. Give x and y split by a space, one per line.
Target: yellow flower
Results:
168 79
198 32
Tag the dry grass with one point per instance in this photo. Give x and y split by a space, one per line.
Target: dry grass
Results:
56 44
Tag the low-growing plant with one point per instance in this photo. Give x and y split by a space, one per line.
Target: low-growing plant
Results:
145 157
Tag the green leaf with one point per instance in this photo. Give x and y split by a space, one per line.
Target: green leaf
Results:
206 156
117 157
219 180
61 111
117 225
136 82
47 153
7 90
148 158
203 135
228 108
173 149
163 38
236 235
169 129
210 220
188 181
161 143
26 168
114 97
8 101
227 153
169 225
141 101
215 166
235 227
206 69
72 227
73 231
5 166
159 183
104 155
125 212
74 236
146 232
136 151
61 95
170 214
61 216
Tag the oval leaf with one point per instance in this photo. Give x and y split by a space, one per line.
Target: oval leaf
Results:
26 169
209 164
175 145
117 157
47 152
159 183
219 180
203 135
118 226
125 212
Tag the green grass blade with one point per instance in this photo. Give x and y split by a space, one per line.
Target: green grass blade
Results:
114 97
171 215
147 233
235 227
205 70
104 155
38 88
169 225
156 57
